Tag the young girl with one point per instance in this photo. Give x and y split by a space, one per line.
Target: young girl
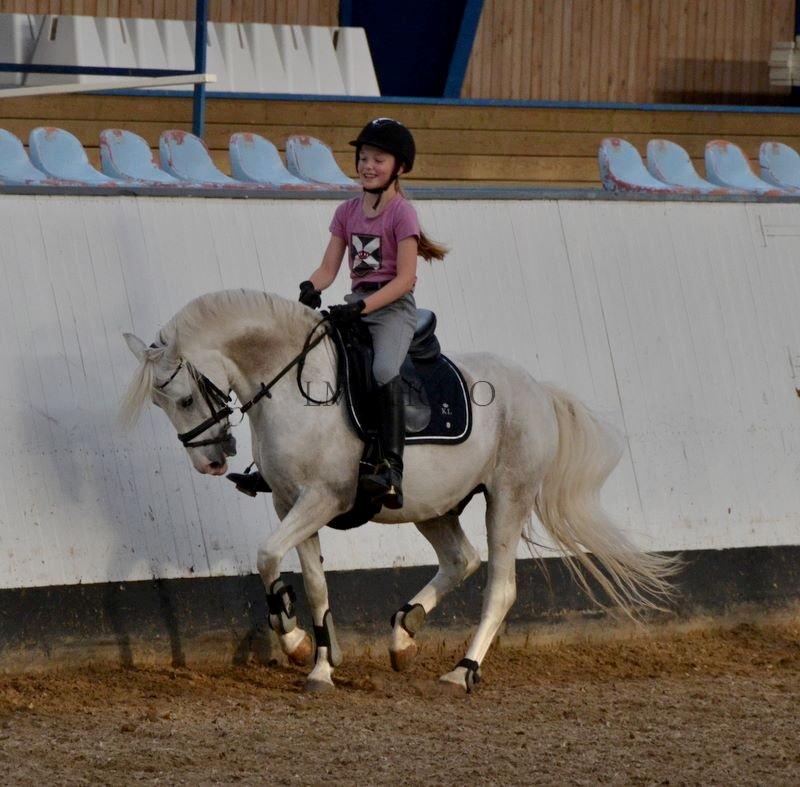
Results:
380 231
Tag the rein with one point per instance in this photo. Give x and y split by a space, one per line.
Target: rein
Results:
215 398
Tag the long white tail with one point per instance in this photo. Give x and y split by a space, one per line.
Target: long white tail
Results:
568 506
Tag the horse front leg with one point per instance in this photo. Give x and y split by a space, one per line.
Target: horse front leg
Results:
328 654
312 510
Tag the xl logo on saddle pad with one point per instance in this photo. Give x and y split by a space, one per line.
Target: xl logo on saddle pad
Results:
365 251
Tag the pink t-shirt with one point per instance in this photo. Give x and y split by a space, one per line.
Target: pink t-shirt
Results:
372 241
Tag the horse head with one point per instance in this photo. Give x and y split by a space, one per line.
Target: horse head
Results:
196 405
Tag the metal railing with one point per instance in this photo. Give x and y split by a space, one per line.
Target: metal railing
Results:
158 75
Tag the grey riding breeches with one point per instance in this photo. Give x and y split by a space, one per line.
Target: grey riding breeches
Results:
392 329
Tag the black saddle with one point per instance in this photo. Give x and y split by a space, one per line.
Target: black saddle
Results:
437 400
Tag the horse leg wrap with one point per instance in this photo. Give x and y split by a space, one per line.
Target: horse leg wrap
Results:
473 675
280 602
325 637
413 618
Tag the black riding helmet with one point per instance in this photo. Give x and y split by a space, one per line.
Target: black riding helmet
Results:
391 136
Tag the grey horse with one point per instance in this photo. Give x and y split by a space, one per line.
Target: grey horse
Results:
535 450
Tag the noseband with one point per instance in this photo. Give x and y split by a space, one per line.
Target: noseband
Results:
215 398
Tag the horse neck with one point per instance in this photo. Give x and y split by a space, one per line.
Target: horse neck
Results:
253 350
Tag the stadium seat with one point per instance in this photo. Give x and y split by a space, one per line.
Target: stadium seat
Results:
263 43
622 169
239 61
324 63
727 165
60 155
15 166
256 160
671 164
780 165
126 156
313 161
186 157
355 62
117 42
178 46
18 34
148 48
296 59
68 41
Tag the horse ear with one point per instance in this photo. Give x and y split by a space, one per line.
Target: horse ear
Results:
136 346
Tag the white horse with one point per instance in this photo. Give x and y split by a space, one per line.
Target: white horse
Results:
534 449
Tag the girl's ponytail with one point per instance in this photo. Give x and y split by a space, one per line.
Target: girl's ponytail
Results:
428 249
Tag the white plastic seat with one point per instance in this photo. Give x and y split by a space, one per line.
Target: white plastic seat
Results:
622 169
178 47
313 161
15 166
296 59
126 156
60 155
671 164
263 43
727 165
239 61
18 33
780 165
116 42
256 160
68 41
215 61
186 157
355 61
324 63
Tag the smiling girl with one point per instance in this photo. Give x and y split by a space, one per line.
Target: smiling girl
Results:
380 231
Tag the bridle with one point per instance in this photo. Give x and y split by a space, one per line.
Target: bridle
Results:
219 404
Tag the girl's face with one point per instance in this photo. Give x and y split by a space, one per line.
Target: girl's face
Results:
375 167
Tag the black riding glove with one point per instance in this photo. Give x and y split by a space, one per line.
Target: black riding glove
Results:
346 313
310 295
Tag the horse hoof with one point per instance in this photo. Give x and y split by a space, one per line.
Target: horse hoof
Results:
303 654
319 687
402 659
453 683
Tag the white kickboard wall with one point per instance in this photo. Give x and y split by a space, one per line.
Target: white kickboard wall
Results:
678 321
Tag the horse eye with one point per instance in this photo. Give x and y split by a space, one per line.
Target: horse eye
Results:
187 402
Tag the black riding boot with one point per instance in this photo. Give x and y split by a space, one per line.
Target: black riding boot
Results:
249 483
385 484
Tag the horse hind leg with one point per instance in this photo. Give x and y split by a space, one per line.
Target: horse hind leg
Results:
505 518
457 561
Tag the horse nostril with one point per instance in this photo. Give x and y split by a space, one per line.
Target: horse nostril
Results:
215 465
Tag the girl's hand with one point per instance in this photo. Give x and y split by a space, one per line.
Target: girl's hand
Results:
310 295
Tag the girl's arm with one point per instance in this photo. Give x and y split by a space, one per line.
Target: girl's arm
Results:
402 283
323 277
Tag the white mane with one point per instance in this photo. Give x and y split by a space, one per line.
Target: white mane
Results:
206 316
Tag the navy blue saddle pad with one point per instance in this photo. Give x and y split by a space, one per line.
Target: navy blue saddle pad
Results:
437 400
